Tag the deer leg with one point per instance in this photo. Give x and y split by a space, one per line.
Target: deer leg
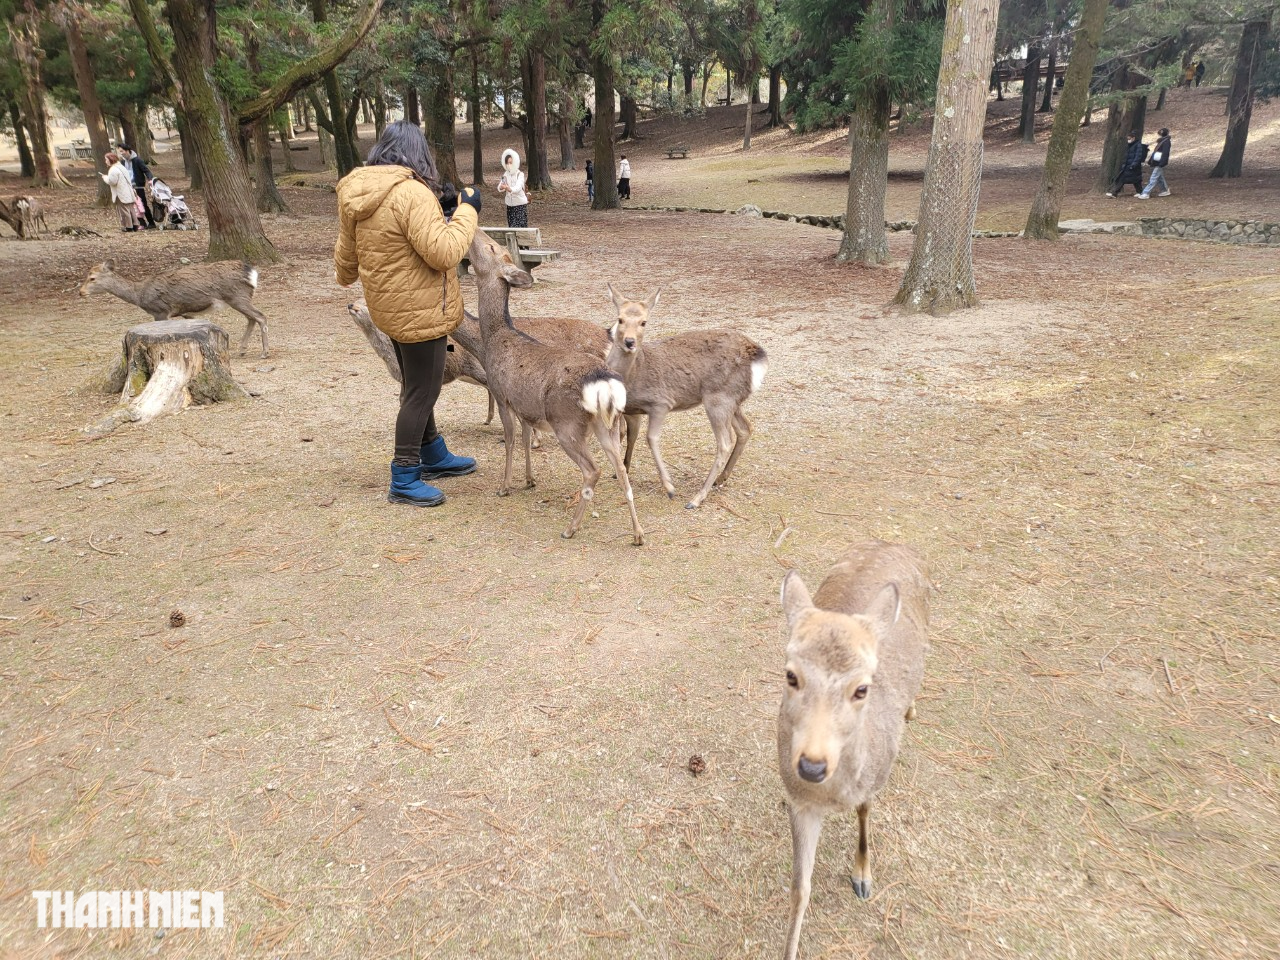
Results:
742 431
656 417
576 447
719 414
806 825
633 431
911 711
528 457
253 316
489 419
612 444
862 862
537 439
508 438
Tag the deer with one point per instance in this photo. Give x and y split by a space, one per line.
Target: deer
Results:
459 363
186 291
31 211
854 665
719 369
546 387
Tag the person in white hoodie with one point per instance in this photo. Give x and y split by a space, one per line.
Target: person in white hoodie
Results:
624 179
119 178
512 184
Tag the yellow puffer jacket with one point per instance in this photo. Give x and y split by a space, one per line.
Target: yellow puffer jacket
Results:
393 237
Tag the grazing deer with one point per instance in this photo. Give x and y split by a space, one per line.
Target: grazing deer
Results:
855 662
31 211
547 387
719 369
187 291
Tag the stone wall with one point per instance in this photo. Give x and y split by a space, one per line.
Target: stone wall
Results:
1223 231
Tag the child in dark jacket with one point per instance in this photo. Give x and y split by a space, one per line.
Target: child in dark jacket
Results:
1131 169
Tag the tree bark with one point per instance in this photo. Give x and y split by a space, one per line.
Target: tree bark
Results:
564 125
267 196
687 69
412 113
775 96
284 131
440 121
235 232
1253 42
1122 116
939 277
1030 79
477 123
90 105
379 106
864 239
706 79
629 110
25 160
344 152
1050 77
539 172
602 75
1042 222
24 33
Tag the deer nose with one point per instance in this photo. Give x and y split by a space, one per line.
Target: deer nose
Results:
629 342
815 771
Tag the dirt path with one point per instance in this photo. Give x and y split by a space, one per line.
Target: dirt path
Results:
447 733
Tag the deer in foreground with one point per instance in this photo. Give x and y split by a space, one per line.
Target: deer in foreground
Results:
186 291
459 363
719 369
855 662
547 387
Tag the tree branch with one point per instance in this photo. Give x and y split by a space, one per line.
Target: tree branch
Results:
322 115
308 71
155 49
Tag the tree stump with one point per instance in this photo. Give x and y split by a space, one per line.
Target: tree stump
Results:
163 368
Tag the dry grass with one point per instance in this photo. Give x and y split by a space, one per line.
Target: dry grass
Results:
393 733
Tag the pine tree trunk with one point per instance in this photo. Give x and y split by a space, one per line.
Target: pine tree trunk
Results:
412 112
1123 116
24 32
1042 223
1050 77
477 123
306 117
687 71
602 75
1164 91
568 110
190 164
146 142
128 126
267 196
344 151
706 79
284 130
628 109
939 277
235 232
379 107
440 121
864 237
775 96
25 160
1030 79
90 105
539 172
746 133
1253 43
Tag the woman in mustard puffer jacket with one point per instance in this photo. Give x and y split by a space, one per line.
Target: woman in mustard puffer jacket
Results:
395 239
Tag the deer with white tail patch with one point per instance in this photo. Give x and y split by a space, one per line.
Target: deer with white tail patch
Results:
855 663
719 369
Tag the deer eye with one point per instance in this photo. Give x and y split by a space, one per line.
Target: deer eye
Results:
643 322
792 681
860 693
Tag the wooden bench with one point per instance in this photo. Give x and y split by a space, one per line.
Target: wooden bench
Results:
682 151
62 153
722 101
83 152
524 244
299 146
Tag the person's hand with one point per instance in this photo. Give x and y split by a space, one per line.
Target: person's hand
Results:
470 195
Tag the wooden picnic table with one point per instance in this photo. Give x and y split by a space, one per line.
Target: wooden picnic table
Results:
524 243
683 151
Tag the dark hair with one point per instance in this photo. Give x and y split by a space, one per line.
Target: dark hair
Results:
1164 131
403 144
624 156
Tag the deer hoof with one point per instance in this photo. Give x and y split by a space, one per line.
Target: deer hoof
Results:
567 535
862 888
639 540
692 506
530 484
504 492
671 494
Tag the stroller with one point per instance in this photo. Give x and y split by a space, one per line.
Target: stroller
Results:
171 211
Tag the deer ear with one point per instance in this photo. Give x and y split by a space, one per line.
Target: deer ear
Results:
653 301
795 597
109 264
515 276
886 607
617 300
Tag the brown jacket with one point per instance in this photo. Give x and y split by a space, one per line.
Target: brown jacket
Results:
393 237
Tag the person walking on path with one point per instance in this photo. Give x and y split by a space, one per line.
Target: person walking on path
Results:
119 178
512 184
1131 171
142 176
624 179
1199 71
591 182
1159 160
394 239
1188 76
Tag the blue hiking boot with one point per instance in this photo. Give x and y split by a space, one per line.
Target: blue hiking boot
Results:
438 462
407 487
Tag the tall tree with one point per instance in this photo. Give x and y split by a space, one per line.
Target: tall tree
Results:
340 128
267 197
939 276
24 37
26 162
1244 87
1042 222
69 16
1030 79
602 75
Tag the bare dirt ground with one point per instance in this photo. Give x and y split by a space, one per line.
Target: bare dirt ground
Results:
448 733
